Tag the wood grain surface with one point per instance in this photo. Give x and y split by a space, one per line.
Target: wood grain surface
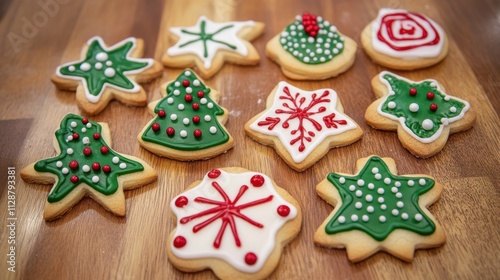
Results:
90 243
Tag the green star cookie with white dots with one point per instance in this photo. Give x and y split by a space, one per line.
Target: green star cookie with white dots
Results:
378 210
107 73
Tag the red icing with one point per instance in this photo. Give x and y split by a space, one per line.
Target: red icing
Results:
185 83
413 91
179 241
97 136
310 25
200 94
391 21
188 97
74 179
170 131
196 119
73 164
225 210
196 106
155 126
104 150
197 133
283 210
161 113
257 180
250 258
430 95
96 166
85 120
181 201
76 136
106 168
87 151
214 174
433 107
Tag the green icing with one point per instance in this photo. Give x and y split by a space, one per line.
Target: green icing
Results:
448 108
93 68
207 112
312 50
204 37
72 149
363 208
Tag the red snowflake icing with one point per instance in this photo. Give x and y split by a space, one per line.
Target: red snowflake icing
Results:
297 108
225 210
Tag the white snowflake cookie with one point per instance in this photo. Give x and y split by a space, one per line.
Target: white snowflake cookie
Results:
236 222
303 125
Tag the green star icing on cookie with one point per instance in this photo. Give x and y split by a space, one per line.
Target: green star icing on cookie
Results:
204 36
415 112
72 149
377 202
101 67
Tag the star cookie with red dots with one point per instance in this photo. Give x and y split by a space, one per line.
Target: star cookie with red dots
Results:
86 166
421 112
188 123
235 222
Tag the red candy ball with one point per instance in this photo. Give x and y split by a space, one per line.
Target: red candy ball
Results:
179 242
76 136
434 107
85 120
104 150
155 126
283 210
106 168
73 164
413 91
197 133
250 258
181 201
196 106
97 136
196 119
161 113
170 131
200 94
87 151
257 180
188 97
96 166
74 179
430 95
185 83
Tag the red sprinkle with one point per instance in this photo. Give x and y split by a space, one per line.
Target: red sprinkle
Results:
430 95
181 201
196 106
215 173
155 126
106 168
85 120
200 94
73 164
76 136
97 136
257 180
188 97
250 258
196 119
197 133
74 179
185 83
161 113
96 166
87 151
179 241
413 91
283 210
104 150
170 131
434 107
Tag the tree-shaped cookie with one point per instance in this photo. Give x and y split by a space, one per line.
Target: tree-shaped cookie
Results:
86 166
378 210
421 112
303 125
234 222
188 122
106 73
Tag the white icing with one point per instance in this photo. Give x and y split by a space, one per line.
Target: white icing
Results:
85 168
414 53
102 56
427 124
96 98
402 120
228 35
109 72
414 107
185 121
116 160
341 219
260 241
173 117
65 170
98 66
69 151
284 134
95 179
382 219
183 134
59 164
361 182
123 165
213 129
418 217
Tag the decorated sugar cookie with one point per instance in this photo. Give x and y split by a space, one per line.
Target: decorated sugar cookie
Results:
106 73
188 122
303 125
234 222
404 40
208 45
86 166
311 48
421 112
378 210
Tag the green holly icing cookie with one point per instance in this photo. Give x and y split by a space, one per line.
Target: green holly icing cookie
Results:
106 66
186 117
421 107
84 158
377 202
312 40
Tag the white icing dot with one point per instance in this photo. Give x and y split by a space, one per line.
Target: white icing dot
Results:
365 218
170 100
378 176
359 193
213 129
327 52
84 129
207 118
109 72
339 45
295 53
85 168
59 164
183 133
394 189
395 212
180 107
109 63
71 68
447 98
306 59
85 140
187 73
322 59
399 195
352 188
411 183
102 56
335 51
391 105
73 124
400 204
453 109
173 117
65 170
342 180
382 219
354 217
177 92
433 84
361 183
445 121
404 216
319 51
69 138
116 160
310 39
341 219
311 54
196 83
89 125
380 190
85 66
69 151
95 179
189 89
381 200
203 101
387 181
98 66
371 186
369 198
210 105
383 206
177 84
123 165
427 124
283 40
185 121
370 209
418 217
358 205
422 182
414 107
397 184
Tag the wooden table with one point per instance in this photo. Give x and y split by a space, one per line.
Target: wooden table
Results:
89 242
